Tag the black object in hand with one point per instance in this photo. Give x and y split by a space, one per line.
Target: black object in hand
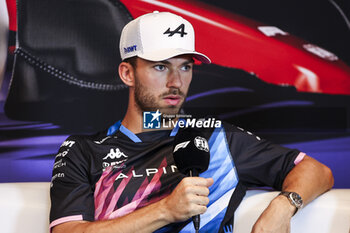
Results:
191 156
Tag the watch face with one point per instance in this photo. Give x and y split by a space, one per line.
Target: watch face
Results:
298 202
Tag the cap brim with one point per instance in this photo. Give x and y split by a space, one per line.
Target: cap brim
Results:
162 55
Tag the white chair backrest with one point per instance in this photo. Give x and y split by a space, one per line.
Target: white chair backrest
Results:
24 207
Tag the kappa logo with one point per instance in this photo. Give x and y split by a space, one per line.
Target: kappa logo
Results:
180 30
115 154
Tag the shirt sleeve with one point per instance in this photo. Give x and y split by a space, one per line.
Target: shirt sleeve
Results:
258 161
71 192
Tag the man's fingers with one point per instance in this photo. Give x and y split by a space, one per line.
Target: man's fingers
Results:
210 182
189 198
200 181
200 200
198 209
197 185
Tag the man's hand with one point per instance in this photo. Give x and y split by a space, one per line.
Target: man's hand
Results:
309 179
189 198
276 217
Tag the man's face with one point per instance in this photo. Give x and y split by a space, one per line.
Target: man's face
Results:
162 85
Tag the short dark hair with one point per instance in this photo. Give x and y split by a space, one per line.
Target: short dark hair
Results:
132 61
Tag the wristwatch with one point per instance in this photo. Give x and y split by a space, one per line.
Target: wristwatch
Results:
294 199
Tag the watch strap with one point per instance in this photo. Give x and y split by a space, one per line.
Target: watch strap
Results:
292 202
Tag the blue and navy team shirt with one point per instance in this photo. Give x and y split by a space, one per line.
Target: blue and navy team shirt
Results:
116 172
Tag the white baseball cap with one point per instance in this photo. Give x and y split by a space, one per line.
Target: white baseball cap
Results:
158 36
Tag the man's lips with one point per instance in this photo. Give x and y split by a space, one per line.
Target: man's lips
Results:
172 99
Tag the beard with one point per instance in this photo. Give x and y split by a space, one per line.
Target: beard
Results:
145 101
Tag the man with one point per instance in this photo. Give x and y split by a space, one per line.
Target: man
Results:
124 179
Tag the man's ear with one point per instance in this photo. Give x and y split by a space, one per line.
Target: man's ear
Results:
127 73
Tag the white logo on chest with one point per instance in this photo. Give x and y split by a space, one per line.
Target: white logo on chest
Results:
114 154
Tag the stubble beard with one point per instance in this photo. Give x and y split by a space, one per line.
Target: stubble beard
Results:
146 102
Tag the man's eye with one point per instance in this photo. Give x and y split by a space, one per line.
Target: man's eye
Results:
160 67
186 67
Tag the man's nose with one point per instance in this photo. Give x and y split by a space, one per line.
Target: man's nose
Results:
174 79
